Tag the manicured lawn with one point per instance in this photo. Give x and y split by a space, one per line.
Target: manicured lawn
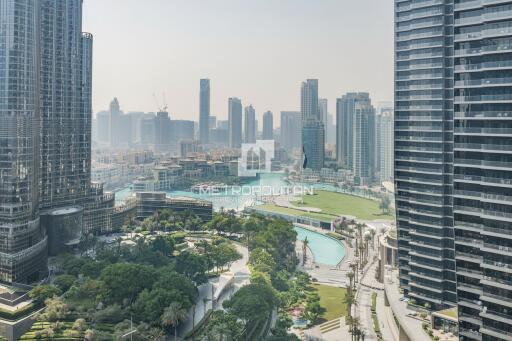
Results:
344 204
331 299
294 212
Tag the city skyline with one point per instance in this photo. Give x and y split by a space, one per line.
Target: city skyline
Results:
179 64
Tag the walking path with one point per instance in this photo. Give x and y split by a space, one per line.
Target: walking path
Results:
220 288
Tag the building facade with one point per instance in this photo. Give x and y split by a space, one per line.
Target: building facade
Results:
385 144
235 123
424 150
482 179
268 126
250 124
23 243
313 131
291 130
204 111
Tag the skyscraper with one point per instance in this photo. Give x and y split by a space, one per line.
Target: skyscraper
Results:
163 129
45 126
424 150
313 133
482 179
204 108
250 124
363 144
268 126
355 135
385 129
23 243
291 130
235 123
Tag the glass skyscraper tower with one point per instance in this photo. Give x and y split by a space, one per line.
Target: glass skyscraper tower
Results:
22 241
313 131
45 125
461 51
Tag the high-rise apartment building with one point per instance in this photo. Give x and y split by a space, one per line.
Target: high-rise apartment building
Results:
291 130
356 135
250 124
235 123
204 111
482 167
268 126
424 150
313 132
385 144
453 143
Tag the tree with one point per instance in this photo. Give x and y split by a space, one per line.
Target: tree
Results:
305 244
223 326
253 304
262 261
349 300
125 281
193 266
55 310
43 292
350 276
385 203
64 282
172 316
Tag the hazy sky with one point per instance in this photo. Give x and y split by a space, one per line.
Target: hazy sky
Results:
257 50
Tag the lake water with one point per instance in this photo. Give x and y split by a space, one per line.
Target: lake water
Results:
326 250
226 200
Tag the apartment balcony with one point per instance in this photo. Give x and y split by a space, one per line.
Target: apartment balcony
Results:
482 99
496 299
483 50
496 232
482 180
484 66
484 83
496 316
470 334
468 241
499 249
468 257
488 197
496 333
473 304
481 147
471 319
498 266
504 165
474 289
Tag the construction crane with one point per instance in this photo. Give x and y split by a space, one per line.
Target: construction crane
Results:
161 109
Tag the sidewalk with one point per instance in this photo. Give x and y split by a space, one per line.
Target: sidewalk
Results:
223 288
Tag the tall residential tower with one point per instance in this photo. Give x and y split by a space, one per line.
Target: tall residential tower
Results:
313 132
204 111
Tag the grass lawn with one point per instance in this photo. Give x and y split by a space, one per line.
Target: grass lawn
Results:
331 299
294 212
344 204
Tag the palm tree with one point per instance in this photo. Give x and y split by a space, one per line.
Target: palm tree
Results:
172 316
350 301
350 277
305 244
355 325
